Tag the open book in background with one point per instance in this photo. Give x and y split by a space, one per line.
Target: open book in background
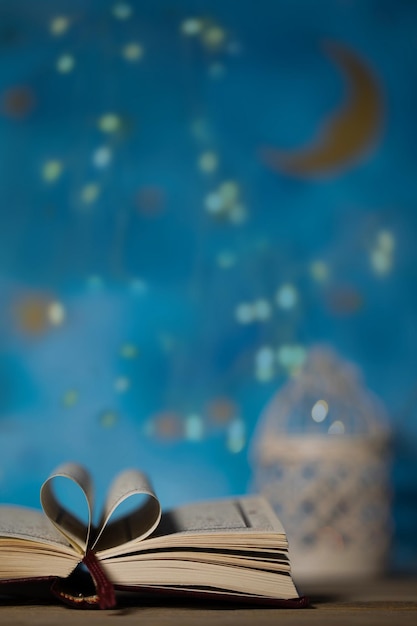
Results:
231 549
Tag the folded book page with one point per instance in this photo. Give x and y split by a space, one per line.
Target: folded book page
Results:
71 527
140 520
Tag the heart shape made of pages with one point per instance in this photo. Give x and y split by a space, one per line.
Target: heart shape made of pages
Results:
140 521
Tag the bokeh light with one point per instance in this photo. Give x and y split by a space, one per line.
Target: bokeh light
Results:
193 196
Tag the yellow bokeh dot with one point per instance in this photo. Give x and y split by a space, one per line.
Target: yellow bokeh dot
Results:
208 162
381 261
51 171
70 398
386 241
319 270
229 192
56 313
191 26
90 193
59 25
109 123
214 37
108 419
132 51
65 64
122 11
129 351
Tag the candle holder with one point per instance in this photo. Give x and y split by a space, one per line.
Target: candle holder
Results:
320 455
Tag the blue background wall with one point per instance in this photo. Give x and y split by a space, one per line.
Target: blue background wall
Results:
163 267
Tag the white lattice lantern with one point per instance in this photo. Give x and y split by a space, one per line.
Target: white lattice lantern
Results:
320 455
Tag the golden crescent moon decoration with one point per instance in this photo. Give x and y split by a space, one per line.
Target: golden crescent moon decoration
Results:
347 133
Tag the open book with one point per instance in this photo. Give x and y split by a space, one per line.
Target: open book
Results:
226 549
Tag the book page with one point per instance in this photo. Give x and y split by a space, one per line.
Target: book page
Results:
70 526
141 518
22 523
251 513
260 515
245 524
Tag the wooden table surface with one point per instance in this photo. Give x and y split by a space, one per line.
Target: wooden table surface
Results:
379 603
